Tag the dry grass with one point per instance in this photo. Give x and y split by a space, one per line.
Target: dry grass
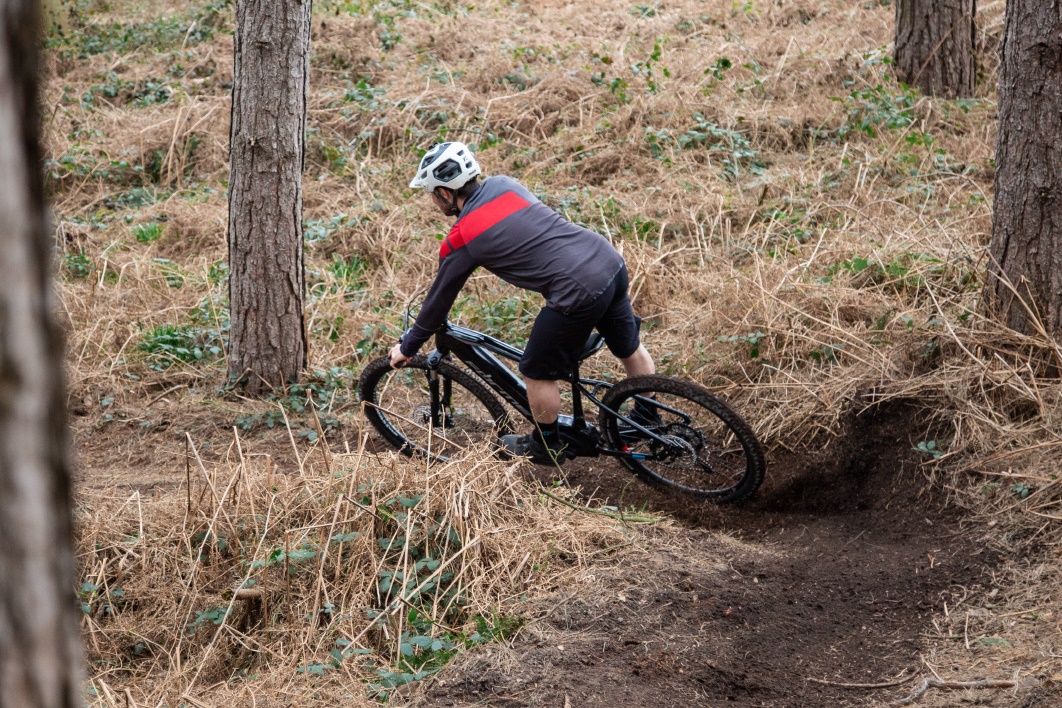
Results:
316 580
800 265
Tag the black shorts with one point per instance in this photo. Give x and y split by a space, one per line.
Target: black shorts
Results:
557 339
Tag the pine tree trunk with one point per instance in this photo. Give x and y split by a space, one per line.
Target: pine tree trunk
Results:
1026 246
934 46
40 654
267 341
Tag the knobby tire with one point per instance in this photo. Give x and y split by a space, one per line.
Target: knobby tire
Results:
726 428
379 372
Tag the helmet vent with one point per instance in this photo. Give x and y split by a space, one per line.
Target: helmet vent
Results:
450 165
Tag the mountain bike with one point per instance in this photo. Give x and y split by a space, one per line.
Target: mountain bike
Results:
667 431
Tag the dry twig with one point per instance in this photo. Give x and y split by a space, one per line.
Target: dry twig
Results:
952 686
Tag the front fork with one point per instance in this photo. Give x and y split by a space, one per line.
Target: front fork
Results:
440 400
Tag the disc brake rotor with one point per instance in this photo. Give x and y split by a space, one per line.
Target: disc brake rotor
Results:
422 415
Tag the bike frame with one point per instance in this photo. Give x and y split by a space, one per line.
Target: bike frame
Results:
480 353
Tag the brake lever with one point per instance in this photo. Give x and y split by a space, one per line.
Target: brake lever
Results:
409 308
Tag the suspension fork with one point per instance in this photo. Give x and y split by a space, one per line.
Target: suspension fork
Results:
433 396
440 401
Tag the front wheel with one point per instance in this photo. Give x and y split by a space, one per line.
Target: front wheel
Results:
701 445
398 403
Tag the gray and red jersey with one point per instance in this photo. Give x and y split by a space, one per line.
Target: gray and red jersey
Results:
508 231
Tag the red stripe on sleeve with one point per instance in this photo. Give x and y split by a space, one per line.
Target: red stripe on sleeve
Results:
447 244
469 227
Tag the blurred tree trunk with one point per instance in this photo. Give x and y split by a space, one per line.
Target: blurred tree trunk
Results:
934 46
40 655
267 341
1026 248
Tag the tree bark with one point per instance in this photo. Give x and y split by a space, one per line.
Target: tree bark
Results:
267 340
40 655
934 46
1026 248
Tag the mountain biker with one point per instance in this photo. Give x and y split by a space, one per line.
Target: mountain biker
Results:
504 228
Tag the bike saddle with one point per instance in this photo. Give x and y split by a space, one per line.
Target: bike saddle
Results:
593 344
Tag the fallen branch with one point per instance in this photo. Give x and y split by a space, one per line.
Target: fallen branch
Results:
888 684
633 517
195 702
162 395
952 686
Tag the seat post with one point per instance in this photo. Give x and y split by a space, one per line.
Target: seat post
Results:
578 418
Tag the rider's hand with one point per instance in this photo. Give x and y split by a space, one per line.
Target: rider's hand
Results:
398 359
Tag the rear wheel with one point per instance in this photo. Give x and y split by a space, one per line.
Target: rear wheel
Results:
398 404
704 446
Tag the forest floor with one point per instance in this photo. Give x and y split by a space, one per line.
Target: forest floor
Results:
826 589
806 237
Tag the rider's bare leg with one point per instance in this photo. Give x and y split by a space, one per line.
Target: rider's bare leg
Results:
544 445
544 397
637 364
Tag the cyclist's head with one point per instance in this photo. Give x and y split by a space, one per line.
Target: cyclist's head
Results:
447 165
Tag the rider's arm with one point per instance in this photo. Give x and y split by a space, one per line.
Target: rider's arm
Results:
454 270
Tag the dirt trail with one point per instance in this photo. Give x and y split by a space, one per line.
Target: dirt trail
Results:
832 573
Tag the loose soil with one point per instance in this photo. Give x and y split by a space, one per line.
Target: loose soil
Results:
833 573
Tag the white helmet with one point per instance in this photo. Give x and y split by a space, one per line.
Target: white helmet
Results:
448 165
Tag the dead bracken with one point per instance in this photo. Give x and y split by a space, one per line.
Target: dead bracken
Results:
804 235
